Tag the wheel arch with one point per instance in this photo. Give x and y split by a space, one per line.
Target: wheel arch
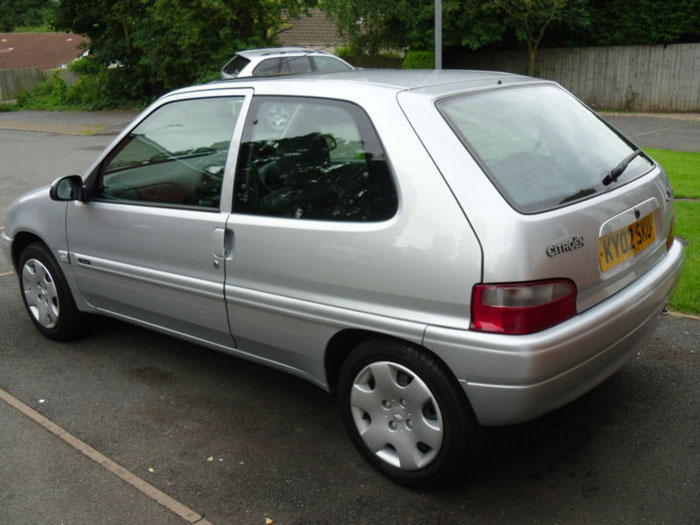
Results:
20 241
345 341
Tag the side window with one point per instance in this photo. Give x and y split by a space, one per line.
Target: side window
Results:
312 159
297 65
330 65
283 66
268 68
176 156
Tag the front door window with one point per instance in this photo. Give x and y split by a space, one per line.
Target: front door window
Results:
176 157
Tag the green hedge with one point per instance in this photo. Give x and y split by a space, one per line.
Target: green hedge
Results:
419 60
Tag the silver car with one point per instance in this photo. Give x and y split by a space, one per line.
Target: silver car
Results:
277 61
445 250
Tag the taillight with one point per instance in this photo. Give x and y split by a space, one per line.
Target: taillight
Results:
522 308
671 235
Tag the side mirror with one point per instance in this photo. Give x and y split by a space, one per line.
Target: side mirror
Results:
68 188
330 141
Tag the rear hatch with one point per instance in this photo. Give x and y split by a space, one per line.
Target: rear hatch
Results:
551 190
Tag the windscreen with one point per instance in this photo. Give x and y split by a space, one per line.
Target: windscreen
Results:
539 145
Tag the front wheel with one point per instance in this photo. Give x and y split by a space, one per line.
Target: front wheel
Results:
407 415
46 294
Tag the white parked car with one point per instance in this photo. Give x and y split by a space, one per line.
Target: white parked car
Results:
446 250
278 61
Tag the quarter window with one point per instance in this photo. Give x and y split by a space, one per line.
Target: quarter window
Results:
312 159
235 65
175 157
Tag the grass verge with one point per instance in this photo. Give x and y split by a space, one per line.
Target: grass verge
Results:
687 296
683 168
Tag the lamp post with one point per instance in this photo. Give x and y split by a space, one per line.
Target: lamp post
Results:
438 34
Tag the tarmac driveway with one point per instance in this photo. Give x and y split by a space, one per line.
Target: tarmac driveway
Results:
679 131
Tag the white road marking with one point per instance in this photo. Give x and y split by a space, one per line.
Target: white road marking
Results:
142 486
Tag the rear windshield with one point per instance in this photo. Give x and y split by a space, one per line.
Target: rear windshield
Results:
235 65
540 146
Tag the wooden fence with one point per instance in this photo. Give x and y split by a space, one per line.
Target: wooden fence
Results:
13 81
633 78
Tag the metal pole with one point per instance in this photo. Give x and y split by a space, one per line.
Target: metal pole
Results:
438 34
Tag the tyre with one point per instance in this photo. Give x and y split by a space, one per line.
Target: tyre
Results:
46 294
407 415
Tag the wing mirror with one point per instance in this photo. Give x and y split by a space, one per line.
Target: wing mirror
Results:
330 141
68 188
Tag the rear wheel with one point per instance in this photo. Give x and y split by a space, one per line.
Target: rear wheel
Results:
407 415
46 294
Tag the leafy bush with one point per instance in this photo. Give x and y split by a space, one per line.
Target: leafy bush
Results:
419 60
47 94
7 106
160 45
348 51
85 66
96 90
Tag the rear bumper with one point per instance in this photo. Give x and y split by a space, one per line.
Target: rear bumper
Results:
510 379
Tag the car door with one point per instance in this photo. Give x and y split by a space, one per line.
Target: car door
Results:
149 243
313 202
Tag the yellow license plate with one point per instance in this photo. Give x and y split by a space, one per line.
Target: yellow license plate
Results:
626 242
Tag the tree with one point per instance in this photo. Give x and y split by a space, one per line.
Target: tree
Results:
376 25
25 13
642 22
159 45
530 19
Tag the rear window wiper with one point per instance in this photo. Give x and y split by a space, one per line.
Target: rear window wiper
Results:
578 195
615 173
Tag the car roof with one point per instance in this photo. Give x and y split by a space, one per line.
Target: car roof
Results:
278 51
428 81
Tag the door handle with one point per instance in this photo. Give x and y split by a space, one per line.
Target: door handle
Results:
228 242
222 242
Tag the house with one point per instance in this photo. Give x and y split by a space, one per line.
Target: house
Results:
315 30
43 51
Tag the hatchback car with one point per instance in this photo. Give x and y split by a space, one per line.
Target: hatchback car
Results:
277 61
446 250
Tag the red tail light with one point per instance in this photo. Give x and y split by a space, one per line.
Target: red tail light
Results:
522 308
671 235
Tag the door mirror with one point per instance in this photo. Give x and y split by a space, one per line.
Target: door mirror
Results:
330 141
68 188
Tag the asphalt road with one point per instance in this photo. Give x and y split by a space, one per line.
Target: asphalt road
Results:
679 132
239 443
